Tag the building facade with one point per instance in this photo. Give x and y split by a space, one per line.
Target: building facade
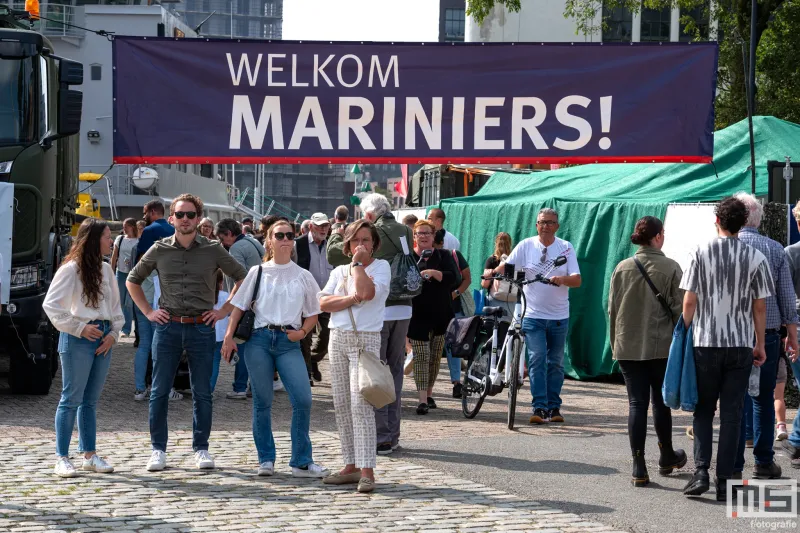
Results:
452 21
235 19
544 21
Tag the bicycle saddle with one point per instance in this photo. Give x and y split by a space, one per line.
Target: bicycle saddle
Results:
492 311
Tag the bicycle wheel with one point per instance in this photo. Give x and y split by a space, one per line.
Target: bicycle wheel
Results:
476 383
514 383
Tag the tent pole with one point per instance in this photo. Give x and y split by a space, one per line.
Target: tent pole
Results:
751 92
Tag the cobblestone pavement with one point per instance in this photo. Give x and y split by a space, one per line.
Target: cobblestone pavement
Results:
409 497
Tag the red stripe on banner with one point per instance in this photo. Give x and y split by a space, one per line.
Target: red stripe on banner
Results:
164 160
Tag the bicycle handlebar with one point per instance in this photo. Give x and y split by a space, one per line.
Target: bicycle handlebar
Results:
519 283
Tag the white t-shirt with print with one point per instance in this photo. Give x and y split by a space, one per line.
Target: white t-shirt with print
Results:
727 275
544 302
367 315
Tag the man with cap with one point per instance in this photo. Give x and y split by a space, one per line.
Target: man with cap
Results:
312 255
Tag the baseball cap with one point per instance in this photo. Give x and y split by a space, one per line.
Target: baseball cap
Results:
319 219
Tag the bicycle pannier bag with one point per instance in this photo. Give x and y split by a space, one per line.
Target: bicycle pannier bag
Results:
461 336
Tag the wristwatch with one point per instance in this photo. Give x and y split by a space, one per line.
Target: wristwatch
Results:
357 264
457 292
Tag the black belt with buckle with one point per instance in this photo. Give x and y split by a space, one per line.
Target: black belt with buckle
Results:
284 329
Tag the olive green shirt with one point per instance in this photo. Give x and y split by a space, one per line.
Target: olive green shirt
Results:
187 276
640 327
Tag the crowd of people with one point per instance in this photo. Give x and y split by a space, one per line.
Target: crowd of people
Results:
326 289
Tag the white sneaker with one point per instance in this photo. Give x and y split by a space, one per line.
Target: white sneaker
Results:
97 464
140 395
310 470
158 461
236 395
64 468
267 468
277 385
781 433
203 460
175 395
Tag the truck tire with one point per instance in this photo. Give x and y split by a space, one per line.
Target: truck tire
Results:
27 376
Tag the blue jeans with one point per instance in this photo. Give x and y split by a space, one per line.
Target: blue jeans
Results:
169 342
125 301
454 363
794 436
143 351
217 360
83 374
762 409
270 350
240 372
545 341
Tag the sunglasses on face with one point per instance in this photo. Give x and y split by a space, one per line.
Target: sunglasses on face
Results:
188 214
279 236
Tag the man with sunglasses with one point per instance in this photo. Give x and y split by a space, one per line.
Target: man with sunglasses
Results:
312 255
187 266
547 312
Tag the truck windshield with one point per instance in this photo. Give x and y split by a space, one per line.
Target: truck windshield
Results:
18 116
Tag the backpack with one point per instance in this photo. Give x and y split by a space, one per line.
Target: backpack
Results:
461 336
406 281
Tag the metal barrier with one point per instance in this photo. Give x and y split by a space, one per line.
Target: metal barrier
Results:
54 17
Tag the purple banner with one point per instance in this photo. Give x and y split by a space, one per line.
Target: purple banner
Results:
218 101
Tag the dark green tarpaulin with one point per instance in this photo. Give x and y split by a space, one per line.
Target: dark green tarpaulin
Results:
598 206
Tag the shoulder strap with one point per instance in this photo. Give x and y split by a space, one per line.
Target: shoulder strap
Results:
659 296
388 238
254 246
258 283
350 307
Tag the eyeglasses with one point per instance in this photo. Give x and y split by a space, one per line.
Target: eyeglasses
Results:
547 222
423 234
279 236
191 215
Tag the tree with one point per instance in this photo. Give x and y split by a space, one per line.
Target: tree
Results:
776 74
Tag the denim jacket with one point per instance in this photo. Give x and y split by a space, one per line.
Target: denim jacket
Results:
680 381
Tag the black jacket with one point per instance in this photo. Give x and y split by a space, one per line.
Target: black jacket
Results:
433 309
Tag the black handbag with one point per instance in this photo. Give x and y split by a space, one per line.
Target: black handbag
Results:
244 329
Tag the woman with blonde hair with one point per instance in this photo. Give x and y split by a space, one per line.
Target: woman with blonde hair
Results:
502 248
355 295
286 309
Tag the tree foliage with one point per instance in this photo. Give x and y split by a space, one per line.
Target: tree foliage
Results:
777 35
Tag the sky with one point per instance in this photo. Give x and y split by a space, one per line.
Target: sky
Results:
361 20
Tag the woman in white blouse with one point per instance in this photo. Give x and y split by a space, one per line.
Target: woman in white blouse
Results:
286 294
361 287
83 304
122 262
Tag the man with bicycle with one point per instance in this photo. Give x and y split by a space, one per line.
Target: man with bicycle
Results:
546 312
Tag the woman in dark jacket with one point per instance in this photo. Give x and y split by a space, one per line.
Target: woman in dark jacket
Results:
431 312
641 333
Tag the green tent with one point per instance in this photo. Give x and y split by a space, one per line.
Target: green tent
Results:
598 206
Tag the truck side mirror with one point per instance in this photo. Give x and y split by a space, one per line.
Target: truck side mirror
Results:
70 106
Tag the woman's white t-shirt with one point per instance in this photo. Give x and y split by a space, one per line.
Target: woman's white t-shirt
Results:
222 325
368 315
287 294
127 247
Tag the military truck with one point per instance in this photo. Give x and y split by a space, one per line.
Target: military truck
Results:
40 117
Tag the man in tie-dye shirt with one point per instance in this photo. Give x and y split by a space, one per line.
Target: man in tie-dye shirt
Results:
727 283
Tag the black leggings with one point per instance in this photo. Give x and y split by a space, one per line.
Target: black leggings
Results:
643 379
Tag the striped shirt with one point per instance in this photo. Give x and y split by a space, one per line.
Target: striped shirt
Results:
781 306
727 275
